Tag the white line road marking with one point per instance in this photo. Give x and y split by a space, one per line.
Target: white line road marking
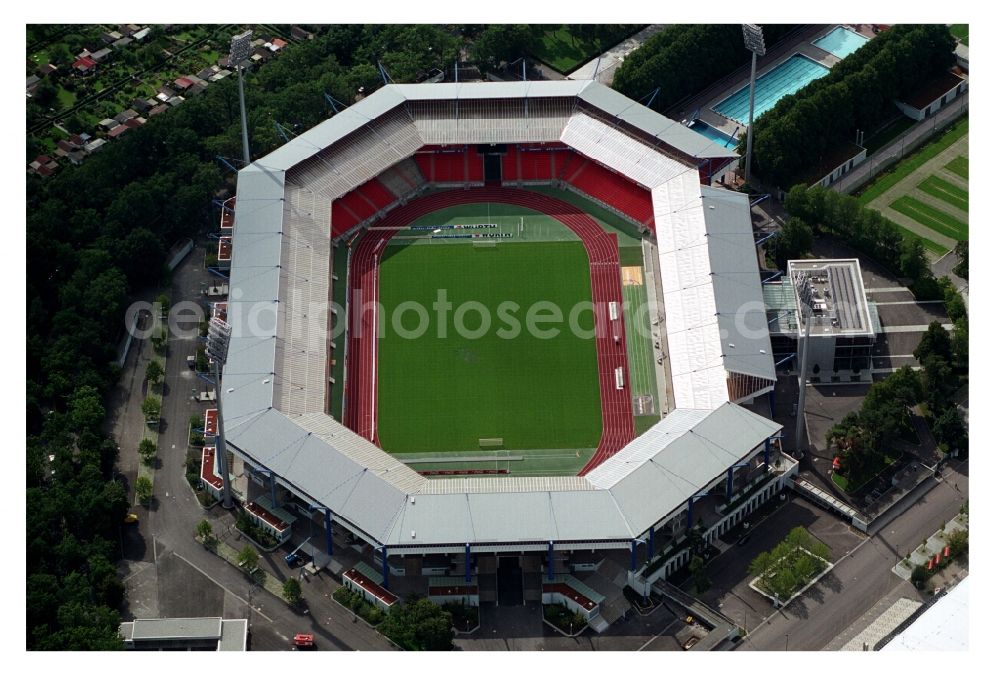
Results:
662 631
224 587
908 302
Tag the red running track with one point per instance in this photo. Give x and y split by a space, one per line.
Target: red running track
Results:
361 387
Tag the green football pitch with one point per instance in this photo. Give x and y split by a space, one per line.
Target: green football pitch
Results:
443 392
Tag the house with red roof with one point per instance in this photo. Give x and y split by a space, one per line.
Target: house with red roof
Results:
84 65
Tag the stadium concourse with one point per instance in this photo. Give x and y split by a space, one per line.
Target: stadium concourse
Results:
629 517
602 252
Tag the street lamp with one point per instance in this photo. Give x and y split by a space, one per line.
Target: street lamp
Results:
753 39
239 51
219 333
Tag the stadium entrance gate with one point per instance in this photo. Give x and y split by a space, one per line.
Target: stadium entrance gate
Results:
510 586
492 168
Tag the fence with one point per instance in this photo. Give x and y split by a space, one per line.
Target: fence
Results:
894 151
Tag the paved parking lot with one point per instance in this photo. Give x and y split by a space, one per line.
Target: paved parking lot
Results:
731 592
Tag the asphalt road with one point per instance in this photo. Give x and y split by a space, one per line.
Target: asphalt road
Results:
862 577
172 572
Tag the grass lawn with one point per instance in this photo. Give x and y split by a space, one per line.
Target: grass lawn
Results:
945 191
908 165
337 353
960 31
891 131
66 98
936 220
642 375
443 394
560 48
959 166
628 234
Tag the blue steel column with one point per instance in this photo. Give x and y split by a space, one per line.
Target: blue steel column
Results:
729 484
632 564
551 556
468 563
649 546
329 533
385 567
767 452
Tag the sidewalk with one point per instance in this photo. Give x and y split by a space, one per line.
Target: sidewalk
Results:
608 62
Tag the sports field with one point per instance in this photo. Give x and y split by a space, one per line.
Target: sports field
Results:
927 193
443 392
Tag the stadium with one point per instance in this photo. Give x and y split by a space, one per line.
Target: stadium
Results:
475 465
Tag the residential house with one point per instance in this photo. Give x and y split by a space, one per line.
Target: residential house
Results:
299 33
175 100
118 131
156 110
222 74
206 73
182 84
111 36
100 54
92 147
135 122
65 146
47 69
84 65
76 156
125 115
124 42
197 88
43 165
142 105
128 30
165 92
141 35
108 124
31 84
277 44
78 140
932 95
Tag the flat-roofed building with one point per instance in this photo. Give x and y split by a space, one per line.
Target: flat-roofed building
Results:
185 633
844 324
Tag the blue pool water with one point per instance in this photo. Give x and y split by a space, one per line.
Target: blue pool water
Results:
714 135
841 42
786 78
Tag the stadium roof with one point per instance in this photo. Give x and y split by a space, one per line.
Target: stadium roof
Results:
275 379
943 626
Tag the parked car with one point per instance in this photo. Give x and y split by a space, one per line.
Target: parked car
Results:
304 641
294 560
690 643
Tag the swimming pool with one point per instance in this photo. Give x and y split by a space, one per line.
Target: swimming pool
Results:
714 135
787 77
841 42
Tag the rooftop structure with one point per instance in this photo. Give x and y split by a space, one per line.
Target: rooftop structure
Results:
833 292
187 633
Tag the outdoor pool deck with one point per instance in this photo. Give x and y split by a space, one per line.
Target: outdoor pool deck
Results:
702 105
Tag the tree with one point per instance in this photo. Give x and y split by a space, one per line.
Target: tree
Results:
418 625
248 558
86 409
950 431
913 260
939 383
154 372
697 569
960 345
958 540
934 342
151 409
143 490
292 590
204 530
962 253
794 241
147 450
501 43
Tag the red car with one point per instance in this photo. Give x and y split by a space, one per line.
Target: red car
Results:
303 641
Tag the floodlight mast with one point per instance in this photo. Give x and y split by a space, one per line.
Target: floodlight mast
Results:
753 39
217 349
239 51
